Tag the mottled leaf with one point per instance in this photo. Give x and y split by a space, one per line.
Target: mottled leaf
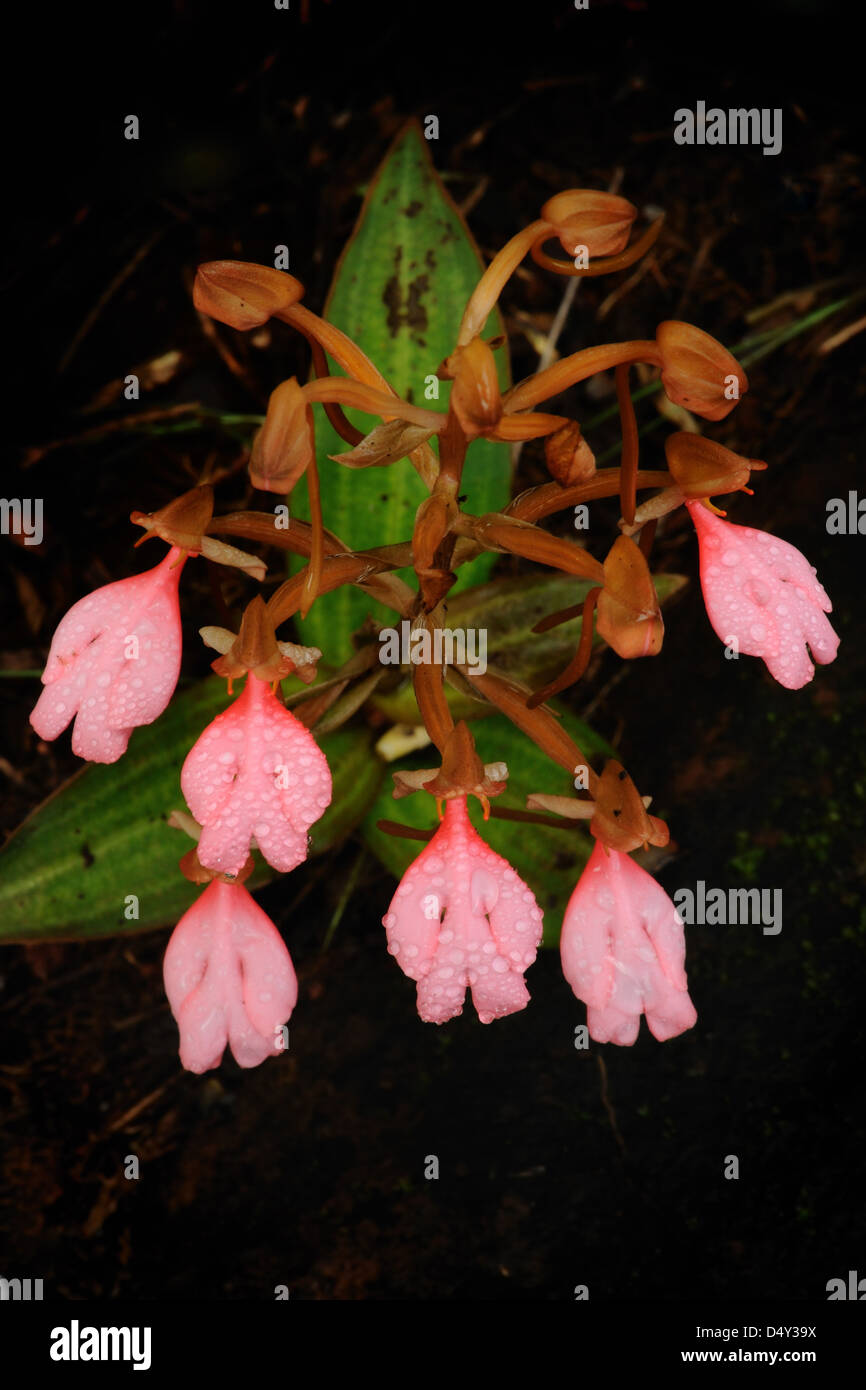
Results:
399 291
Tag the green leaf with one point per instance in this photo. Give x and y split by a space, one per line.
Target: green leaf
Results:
508 609
67 870
550 860
399 291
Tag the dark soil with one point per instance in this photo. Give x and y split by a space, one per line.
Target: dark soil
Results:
557 1167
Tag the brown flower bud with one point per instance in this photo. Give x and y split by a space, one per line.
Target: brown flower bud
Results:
587 217
242 294
568 456
475 395
697 372
629 617
285 445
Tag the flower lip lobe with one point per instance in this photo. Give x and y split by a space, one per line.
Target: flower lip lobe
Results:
256 773
623 951
461 917
761 592
113 663
229 979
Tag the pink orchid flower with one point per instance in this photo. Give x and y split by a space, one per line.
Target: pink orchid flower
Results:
113 663
256 773
229 979
763 594
462 917
623 951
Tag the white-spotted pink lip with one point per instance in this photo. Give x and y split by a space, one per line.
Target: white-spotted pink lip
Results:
229 979
114 662
255 774
462 918
623 951
761 593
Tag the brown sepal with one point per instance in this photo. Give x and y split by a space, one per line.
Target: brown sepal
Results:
256 649
243 294
475 395
621 820
285 445
697 371
462 773
181 522
703 468
628 616
568 456
589 217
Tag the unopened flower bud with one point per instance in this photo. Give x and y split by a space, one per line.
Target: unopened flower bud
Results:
568 456
697 372
587 217
475 395
284 447
242 294
629 617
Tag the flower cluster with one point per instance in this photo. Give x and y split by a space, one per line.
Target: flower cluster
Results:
256 779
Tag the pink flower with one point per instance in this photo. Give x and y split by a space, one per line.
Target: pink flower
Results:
761 593
462 916
113 663
229 978
623 951
255 772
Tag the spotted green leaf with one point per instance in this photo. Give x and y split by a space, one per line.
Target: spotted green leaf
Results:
399 291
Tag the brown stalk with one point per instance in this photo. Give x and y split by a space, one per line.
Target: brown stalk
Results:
577 367
314 568
630 445
563 615
428 682
603 265
358 365
647 536
333 410
371 400
579 662
404 832
532 543
452 455
541 725
336 571
538 502
500 270
259 526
